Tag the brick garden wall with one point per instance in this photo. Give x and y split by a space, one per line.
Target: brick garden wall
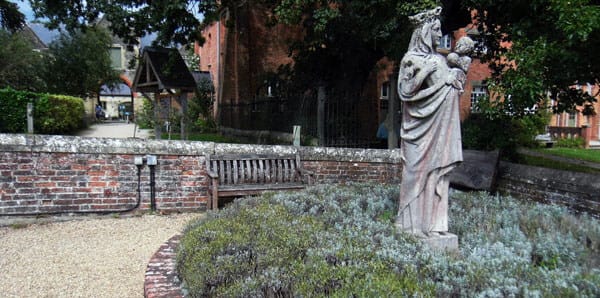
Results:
578 191
62 174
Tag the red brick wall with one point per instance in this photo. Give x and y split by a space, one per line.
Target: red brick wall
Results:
336 172
59 174
248 50
49 182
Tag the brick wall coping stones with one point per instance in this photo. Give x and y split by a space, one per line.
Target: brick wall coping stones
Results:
71 144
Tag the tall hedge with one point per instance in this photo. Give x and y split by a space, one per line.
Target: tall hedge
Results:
52 114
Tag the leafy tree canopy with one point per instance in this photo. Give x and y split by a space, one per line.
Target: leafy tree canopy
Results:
20 66
553 42
11 18
79 63
539 47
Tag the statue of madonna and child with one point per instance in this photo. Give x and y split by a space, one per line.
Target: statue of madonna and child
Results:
429 86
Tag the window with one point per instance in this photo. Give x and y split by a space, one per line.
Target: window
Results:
116 57
572 120
476 94
384 93
445 42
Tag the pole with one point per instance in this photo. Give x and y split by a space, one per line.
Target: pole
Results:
393 106
296 135
30 117
152 190
321 97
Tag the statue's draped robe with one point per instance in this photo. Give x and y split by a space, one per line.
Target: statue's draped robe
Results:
431 142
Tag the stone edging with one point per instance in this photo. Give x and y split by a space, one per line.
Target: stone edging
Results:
161 274
79 145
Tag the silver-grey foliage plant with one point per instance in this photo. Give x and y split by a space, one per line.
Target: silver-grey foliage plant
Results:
339 241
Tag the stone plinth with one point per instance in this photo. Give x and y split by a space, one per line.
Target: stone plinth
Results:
441 241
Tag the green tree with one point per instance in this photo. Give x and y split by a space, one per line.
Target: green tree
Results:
79 63
21 67
343 38
11 18
553 41
200 107
539 47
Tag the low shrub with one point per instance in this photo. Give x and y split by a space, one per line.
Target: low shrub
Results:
577 142
492 127
145 117
340 241
52 114
58 114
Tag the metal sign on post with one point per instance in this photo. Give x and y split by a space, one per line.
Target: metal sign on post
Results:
30 117
296 135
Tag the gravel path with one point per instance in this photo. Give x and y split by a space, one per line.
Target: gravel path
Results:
93 257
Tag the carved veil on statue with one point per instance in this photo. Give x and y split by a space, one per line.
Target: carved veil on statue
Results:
430 133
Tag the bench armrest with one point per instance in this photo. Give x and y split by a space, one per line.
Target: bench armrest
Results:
212 174
307 173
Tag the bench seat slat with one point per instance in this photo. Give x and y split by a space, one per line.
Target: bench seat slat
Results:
249 190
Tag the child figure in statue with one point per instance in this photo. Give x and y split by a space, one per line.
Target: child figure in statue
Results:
459 60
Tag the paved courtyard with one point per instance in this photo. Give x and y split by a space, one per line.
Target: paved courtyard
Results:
116 129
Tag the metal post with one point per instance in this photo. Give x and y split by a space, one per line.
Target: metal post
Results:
30 117
321 97
152 190
183 101
393 106
151 161
157 113
296 135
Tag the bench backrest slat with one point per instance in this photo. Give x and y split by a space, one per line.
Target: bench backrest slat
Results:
252 169
286 170
293 170
261 171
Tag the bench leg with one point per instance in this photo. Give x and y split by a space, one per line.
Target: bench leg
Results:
215 197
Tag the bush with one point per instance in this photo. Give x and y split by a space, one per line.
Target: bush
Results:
577 142
340 242
53 114
145 117
491 128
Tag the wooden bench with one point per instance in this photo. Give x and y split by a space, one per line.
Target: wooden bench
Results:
234 175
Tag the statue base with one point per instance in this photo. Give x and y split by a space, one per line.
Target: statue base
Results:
441 241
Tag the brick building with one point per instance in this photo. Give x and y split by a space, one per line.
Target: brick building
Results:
575 124
239 56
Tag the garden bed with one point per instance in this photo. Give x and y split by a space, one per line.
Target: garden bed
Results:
340 242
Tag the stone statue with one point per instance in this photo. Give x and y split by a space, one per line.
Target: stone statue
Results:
429 88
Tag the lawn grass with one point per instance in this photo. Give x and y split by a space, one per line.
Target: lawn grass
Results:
553 164
575 153
203 137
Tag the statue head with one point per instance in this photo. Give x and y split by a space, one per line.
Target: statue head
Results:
428 31
464 46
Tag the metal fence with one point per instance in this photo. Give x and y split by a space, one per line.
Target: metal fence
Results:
350 120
